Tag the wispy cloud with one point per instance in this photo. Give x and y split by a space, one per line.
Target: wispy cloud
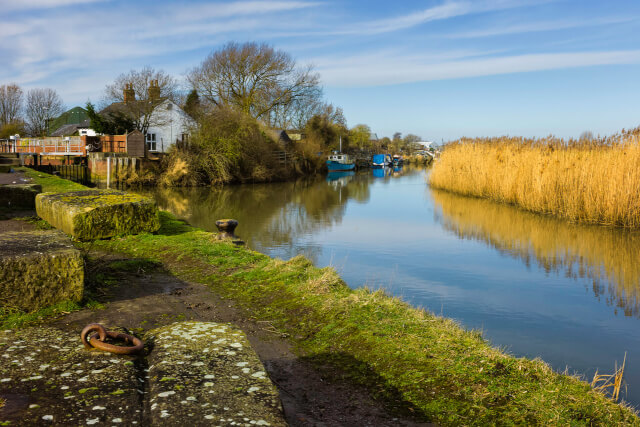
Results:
387 72
533 27
447 10
12 5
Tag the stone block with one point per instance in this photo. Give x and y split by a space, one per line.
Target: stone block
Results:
206 373
48 378
19 195
38 269
98 214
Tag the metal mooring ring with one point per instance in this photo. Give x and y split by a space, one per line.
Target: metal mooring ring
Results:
102 332
97 340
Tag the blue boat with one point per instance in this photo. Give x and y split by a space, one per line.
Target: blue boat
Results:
381 161
340 162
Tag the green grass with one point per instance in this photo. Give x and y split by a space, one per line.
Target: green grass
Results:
51 183
13 318
411 359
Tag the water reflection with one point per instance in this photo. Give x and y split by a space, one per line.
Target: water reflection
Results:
607 257
270 215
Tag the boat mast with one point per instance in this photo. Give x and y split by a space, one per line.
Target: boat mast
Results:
341 143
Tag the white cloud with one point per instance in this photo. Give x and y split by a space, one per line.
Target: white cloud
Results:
370 71
498 30
13 5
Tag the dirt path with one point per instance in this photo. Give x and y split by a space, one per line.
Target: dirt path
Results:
148 297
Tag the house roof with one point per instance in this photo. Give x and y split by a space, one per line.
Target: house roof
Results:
65 130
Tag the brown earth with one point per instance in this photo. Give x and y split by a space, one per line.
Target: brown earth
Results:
149 297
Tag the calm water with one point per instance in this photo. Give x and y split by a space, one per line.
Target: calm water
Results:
536 286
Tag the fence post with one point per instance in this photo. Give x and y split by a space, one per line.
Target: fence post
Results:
108 171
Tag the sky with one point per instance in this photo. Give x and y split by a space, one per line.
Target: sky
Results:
440 69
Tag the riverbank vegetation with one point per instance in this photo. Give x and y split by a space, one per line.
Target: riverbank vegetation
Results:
420 362
409 358
592 180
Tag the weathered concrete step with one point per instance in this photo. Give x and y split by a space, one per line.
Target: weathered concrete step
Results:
19 195
197 373
98 214
48 378
38 269
205 373
9 161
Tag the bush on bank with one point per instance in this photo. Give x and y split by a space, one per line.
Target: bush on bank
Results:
227 146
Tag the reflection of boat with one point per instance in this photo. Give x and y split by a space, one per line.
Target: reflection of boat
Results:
381 160
380 172
397 170
339 175
397 160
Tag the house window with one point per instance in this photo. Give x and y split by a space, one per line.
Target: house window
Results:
151 142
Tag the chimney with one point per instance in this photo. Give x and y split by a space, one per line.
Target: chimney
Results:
129 93
154 91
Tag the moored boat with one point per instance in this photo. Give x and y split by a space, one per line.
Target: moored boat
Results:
340 162
381 160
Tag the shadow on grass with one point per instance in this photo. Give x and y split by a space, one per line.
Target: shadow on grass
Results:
110 278
171 226
344 367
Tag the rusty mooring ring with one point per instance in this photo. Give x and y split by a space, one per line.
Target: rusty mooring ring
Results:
97 340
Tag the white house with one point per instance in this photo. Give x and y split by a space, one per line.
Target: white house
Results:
169 124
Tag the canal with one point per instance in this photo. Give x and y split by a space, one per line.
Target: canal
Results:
535 286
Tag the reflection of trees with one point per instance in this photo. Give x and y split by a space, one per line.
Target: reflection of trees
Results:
608 257
270 215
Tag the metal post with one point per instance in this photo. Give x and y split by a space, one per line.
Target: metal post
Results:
108 171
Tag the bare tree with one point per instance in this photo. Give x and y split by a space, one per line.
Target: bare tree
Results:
137 94
42 106
10 104
256 79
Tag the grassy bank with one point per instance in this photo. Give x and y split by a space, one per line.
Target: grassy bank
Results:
595 181
420 361
408 357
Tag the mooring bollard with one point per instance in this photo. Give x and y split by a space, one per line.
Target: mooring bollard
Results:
226 228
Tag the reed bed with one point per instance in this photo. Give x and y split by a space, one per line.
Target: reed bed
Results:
593 181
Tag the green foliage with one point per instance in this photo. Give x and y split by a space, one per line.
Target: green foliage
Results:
115 123
228 146
192 104
12 128
324 132
360 135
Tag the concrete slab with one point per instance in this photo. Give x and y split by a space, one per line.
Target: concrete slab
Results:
20 196
38 269
206 373
98 214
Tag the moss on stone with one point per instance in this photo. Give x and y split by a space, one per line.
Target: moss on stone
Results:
98 214
39 269
19 195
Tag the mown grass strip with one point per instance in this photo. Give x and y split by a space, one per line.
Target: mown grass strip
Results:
411 357
51 183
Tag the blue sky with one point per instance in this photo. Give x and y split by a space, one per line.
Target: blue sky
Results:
440 69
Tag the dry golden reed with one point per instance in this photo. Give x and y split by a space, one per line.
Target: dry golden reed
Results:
590 181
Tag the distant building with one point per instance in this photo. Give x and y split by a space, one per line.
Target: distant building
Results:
168 123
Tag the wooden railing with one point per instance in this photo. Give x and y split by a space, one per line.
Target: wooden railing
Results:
74 146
